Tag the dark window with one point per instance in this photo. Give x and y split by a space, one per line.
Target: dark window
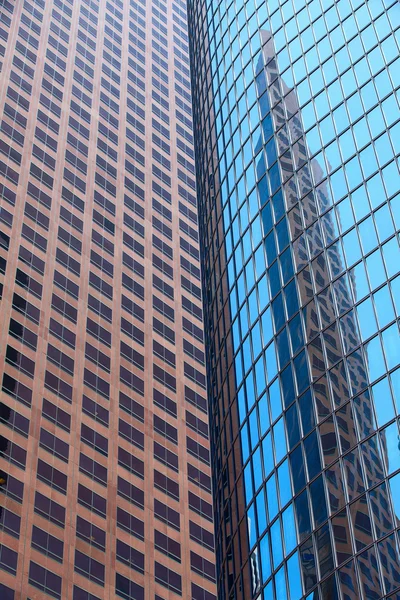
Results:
52 476
80 594
129 523
10 523
130 556
197 450
202 566
14 420
49 509
167 515
90 533
47 544
130 492
45 580
16 389
168 578
94 439
201 535
131 463
6 593
164 402
54 445
131 407
89 567
95 410
166 485
133 435
197 425
93 469
91 500
167 545
11 487
199 593
164 377
128 589
8 559
56 415
58 386
12 452
200 506
165 429
96 383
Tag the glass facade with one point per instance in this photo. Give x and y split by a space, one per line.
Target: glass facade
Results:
297 139
105 482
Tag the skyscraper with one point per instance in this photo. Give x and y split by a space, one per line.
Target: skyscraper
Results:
297 139
105 476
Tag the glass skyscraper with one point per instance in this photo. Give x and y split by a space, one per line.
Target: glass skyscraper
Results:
105 487
297 139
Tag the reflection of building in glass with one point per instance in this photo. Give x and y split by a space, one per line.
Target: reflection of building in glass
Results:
300 268
105 482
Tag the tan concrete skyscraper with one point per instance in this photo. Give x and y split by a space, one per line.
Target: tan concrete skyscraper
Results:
105 475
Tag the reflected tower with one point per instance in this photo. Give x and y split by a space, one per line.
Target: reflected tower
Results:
296 146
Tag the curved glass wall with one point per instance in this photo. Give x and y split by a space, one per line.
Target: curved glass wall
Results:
297 131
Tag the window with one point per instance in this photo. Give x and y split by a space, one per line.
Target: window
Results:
199 593
95 410
94 439
58 386
54 445
11 487
202 566
201 535
62 333
128 589
165 456
14 420
6 593
167 546
96 383
163 377
132 355
47 544
8 559
130 523
49 509
80 594
163 330
197 425
166 485
52 476
195 375
10 523
89 567
90 533
131 434
12 452
56 415
168 578
131 463
60 359
163 353
91 500
163 308
16 389
200 506
93 469
45 580
97 357
131 407
130 492
165 429
193 352
130 556
164 402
